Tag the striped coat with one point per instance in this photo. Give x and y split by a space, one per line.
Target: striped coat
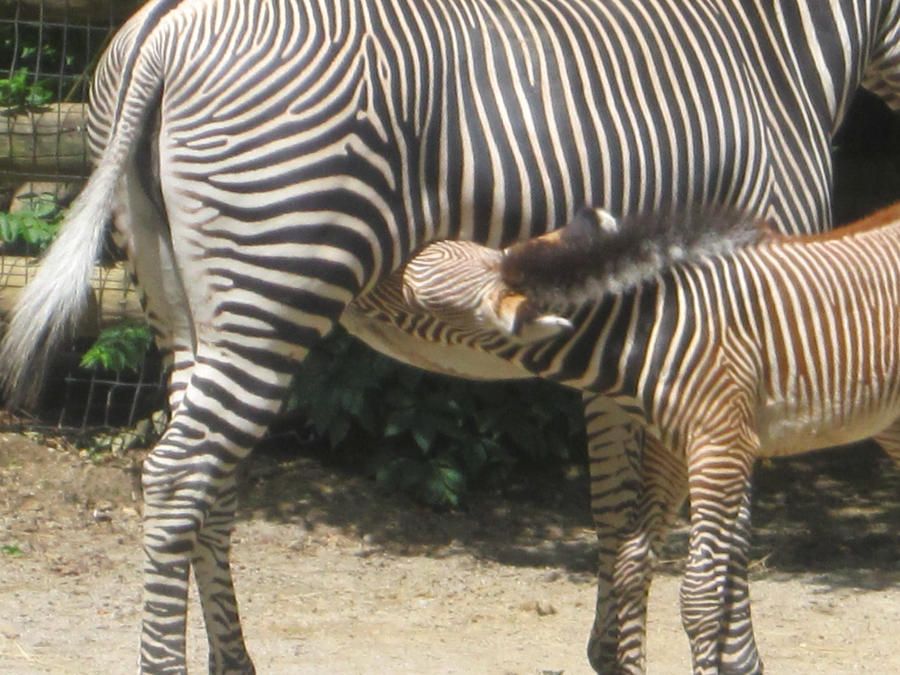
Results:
269 161
725 348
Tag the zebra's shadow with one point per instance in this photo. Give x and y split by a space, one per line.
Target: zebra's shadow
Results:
833 512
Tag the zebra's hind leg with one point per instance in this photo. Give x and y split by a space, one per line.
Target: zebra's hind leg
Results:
715 604
614 453
212 572
211 556
188 482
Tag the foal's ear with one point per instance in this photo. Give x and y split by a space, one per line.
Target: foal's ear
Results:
588 224
517 317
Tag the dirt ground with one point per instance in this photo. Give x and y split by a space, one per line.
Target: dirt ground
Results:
335 577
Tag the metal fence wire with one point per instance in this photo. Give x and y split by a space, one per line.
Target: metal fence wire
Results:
48 49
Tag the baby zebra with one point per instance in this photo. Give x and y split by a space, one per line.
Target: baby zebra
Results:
726 341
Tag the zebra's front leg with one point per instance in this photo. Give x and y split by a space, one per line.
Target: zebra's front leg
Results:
614 453
662 492
188 482
715 604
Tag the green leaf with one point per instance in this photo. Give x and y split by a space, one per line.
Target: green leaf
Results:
120 347
37 226
424 437
444 486
399 421
12 550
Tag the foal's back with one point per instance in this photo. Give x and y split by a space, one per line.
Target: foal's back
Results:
825 316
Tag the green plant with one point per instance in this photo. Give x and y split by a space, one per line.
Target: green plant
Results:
29 51
432 436
19 95
12 550
119 347
37 226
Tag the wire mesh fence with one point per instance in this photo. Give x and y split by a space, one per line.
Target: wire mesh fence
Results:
77 399
48 50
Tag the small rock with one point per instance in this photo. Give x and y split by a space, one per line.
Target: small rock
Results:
541 607
103 512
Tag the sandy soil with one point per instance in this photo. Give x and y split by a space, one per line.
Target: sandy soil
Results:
335 577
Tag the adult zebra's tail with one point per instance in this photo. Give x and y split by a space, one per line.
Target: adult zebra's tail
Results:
49 307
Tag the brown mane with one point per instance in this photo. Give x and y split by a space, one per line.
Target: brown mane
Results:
584 252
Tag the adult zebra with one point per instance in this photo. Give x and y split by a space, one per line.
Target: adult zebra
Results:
269 160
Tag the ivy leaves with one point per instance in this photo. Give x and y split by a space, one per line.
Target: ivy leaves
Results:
120 347
34 227
429 435
21 94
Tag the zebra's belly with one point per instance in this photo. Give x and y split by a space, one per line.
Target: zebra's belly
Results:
789 430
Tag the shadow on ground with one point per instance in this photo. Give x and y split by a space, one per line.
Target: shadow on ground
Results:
549 526
831 510
834 511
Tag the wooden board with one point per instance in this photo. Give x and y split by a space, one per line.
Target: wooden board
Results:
48 143
114 296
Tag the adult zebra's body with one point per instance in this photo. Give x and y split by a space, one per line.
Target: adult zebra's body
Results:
744 344
269 160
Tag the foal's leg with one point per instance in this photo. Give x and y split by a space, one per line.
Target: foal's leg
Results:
614 453
637 486
715 605
889 440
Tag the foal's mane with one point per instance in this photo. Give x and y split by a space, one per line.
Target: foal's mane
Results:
594 254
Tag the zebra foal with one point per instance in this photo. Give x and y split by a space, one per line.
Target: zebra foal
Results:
725 345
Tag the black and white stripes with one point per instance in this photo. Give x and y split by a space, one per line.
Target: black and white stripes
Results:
763 346
267 161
